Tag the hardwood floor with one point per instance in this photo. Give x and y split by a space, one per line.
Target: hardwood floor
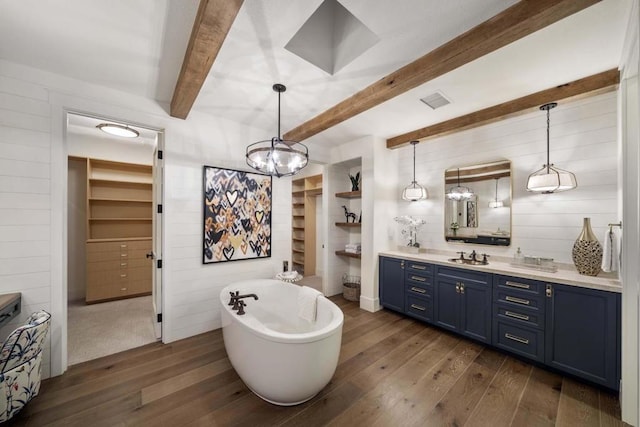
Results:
393 371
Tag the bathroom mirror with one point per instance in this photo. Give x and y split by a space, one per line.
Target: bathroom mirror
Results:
477 204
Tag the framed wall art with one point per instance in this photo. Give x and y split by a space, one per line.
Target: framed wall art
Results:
237 215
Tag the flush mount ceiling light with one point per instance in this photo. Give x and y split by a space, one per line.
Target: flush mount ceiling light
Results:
118 130
276 156
458 192
550 179
414 191
495 203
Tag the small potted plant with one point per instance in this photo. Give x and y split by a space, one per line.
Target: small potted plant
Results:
355 181
410 230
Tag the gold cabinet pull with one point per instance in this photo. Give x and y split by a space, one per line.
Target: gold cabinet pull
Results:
418 279
417 307
123 246
122 276
123 264
517 300
517 285
419 290
418 267
516 338
123 255
123 289
516 315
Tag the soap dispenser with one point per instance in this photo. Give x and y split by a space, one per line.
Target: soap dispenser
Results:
518 258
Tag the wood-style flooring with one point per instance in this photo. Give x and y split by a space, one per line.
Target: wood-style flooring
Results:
393 371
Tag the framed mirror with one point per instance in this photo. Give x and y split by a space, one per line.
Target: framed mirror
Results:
477 205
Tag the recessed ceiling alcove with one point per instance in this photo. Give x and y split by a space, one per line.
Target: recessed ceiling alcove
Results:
331 38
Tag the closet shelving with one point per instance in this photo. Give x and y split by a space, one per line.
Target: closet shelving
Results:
303 241
119 227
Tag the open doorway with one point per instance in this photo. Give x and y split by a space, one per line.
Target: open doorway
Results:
114 202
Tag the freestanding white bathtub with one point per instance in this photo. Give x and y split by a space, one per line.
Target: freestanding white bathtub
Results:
282 358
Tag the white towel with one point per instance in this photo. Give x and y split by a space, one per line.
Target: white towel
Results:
307 303
610 252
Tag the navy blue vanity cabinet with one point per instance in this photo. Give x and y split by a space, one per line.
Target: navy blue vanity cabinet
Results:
418 282
583 333
519 316
462 300
392 283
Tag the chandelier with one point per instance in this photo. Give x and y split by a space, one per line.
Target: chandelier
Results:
276 156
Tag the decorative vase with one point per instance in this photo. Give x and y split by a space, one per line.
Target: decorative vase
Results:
587 251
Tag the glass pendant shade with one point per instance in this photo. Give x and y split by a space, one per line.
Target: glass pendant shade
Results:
276 156
550 179
495 203
414 191
459 192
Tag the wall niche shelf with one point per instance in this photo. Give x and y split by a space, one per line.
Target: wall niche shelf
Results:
350 194
348 254
348 224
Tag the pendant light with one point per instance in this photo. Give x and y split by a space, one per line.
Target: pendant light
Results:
276 156
458 192
550 179
495 203
414 191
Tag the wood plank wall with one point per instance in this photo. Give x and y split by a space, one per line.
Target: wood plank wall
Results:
25 198
583 140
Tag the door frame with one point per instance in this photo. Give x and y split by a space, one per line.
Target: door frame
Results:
59 244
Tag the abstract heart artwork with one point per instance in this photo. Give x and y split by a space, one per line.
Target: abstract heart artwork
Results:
237 215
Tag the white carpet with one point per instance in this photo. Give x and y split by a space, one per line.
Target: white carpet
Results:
97 330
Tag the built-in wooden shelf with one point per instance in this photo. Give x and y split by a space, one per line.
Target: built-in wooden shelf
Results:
120 219
297 205
297 251
348 254
298 228
298 216
297 239
349 224
119 182
313 192
107 199
350 194
123 239
297 193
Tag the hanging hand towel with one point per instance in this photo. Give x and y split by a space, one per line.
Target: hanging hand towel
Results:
610 255
307 303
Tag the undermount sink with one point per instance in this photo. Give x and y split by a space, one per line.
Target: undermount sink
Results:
467 261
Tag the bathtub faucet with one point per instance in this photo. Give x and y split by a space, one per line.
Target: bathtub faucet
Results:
237 302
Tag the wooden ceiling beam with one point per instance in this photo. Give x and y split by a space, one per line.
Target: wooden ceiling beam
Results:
514 23
601 82
210 28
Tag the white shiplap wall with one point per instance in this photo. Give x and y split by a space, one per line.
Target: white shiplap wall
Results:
25 203
583 140
33 206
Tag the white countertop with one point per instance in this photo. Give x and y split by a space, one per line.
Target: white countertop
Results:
566 274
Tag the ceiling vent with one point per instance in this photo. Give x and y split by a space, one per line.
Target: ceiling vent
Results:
331 38
435 100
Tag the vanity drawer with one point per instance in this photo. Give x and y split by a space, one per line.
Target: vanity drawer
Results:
419 268
523 286
519 299
462 274
419 289
519 340
420 307
519 316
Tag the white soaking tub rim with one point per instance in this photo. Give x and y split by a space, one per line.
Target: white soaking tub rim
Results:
256 327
